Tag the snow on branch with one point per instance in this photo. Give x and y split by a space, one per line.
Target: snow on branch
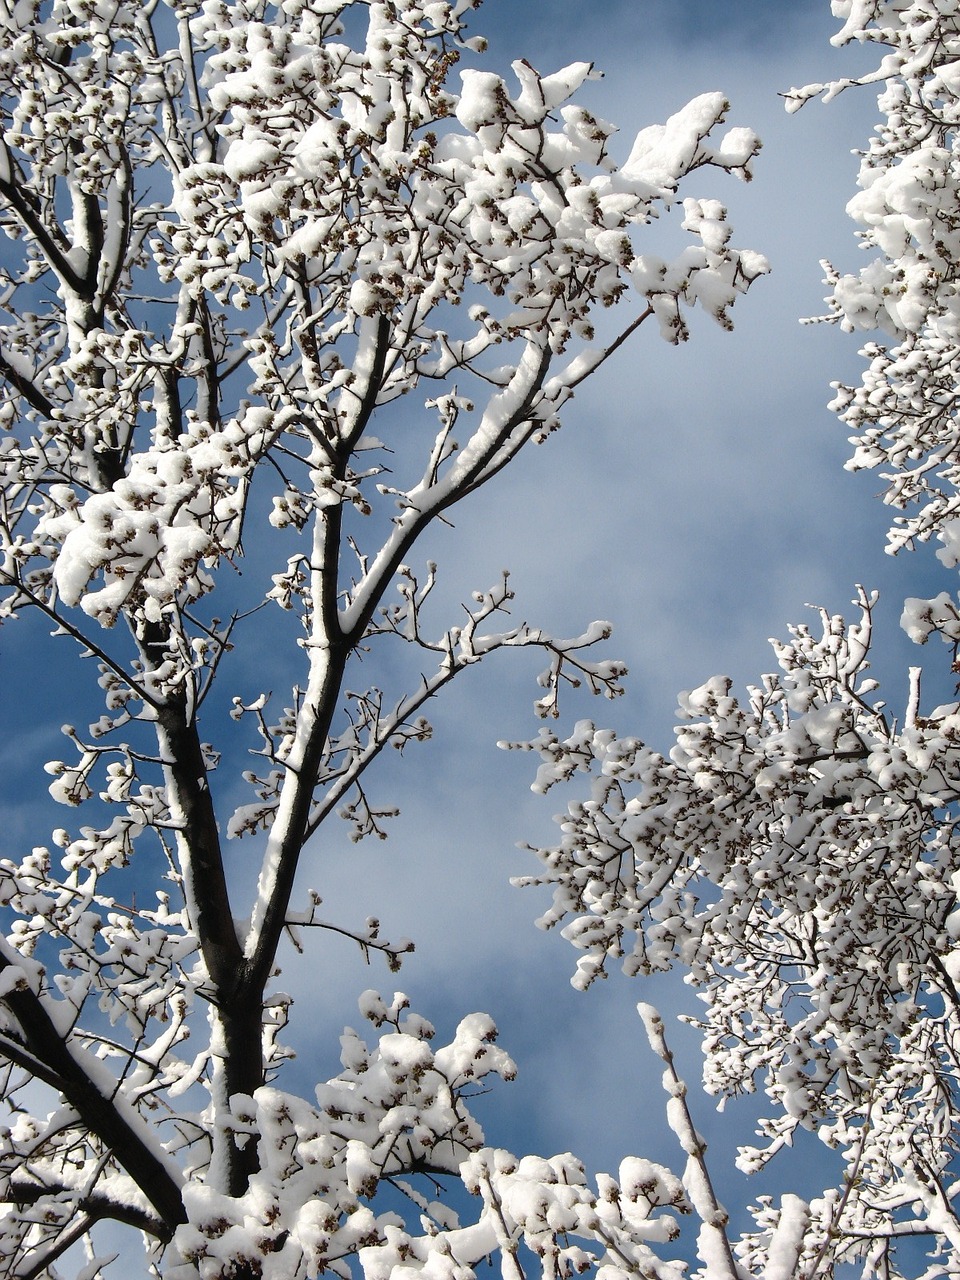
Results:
795 855
237 387
902 417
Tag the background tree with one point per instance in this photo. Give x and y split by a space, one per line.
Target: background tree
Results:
796 856
238 236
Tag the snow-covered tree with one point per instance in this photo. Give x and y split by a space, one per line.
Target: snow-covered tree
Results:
278 279
797 854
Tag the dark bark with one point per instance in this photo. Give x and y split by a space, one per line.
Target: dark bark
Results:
95 1206
210 900
239 1005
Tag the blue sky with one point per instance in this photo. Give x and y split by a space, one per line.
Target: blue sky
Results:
696 498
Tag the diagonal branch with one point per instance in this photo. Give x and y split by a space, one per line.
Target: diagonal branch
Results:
25 386
42 1258
18 198
75 633
90 1090
97 1205
340 633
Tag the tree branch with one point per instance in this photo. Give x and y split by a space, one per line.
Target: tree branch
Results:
118 1128
97 1205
